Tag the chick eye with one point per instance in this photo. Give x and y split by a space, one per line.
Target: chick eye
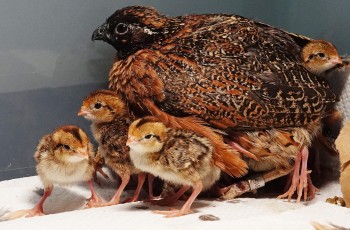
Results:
321 55
148 136
98 105
66 147
121 28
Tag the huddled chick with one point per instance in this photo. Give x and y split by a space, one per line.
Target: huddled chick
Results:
63 157
110 121
318 56
177 156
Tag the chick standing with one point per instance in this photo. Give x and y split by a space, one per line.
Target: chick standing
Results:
110 121
63 157
177 156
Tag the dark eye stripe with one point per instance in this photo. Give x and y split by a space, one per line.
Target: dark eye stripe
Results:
62 146
157 137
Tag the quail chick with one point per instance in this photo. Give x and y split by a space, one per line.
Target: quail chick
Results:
63 157
110 121
234 73
318 56
178 156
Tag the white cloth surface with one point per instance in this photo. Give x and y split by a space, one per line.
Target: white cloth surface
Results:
65 209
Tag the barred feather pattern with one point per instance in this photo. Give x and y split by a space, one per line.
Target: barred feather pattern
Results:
228 71
112 138
276 148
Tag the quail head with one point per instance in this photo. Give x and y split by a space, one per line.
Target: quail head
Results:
318 56
177 156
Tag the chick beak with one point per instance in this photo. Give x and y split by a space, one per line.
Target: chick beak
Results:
82 112
131 140
336 61
100 33
82 153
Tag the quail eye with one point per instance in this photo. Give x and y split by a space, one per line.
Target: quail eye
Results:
321 55
121 28
66 147
149 136
98 105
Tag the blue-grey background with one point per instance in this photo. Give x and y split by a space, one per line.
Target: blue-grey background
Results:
48 63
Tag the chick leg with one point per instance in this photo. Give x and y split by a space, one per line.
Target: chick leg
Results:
169 201
116 198
38 209
141 177
242 150
96 179
102 173
186 208
150 187
94 199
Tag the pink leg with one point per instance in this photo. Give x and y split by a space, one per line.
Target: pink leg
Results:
38 209
295 179
300 181
150 187
96 179
303 175
116 198
102 173
186 208
169 201
240 149
141 177
94 200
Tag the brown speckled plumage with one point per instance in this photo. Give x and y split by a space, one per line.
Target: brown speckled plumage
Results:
52 165
276 148
228 70
110 121
63 157
110 126
177 156
234 73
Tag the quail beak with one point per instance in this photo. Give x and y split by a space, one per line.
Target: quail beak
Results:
82 153
82 113
336 61
101 33
131 140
